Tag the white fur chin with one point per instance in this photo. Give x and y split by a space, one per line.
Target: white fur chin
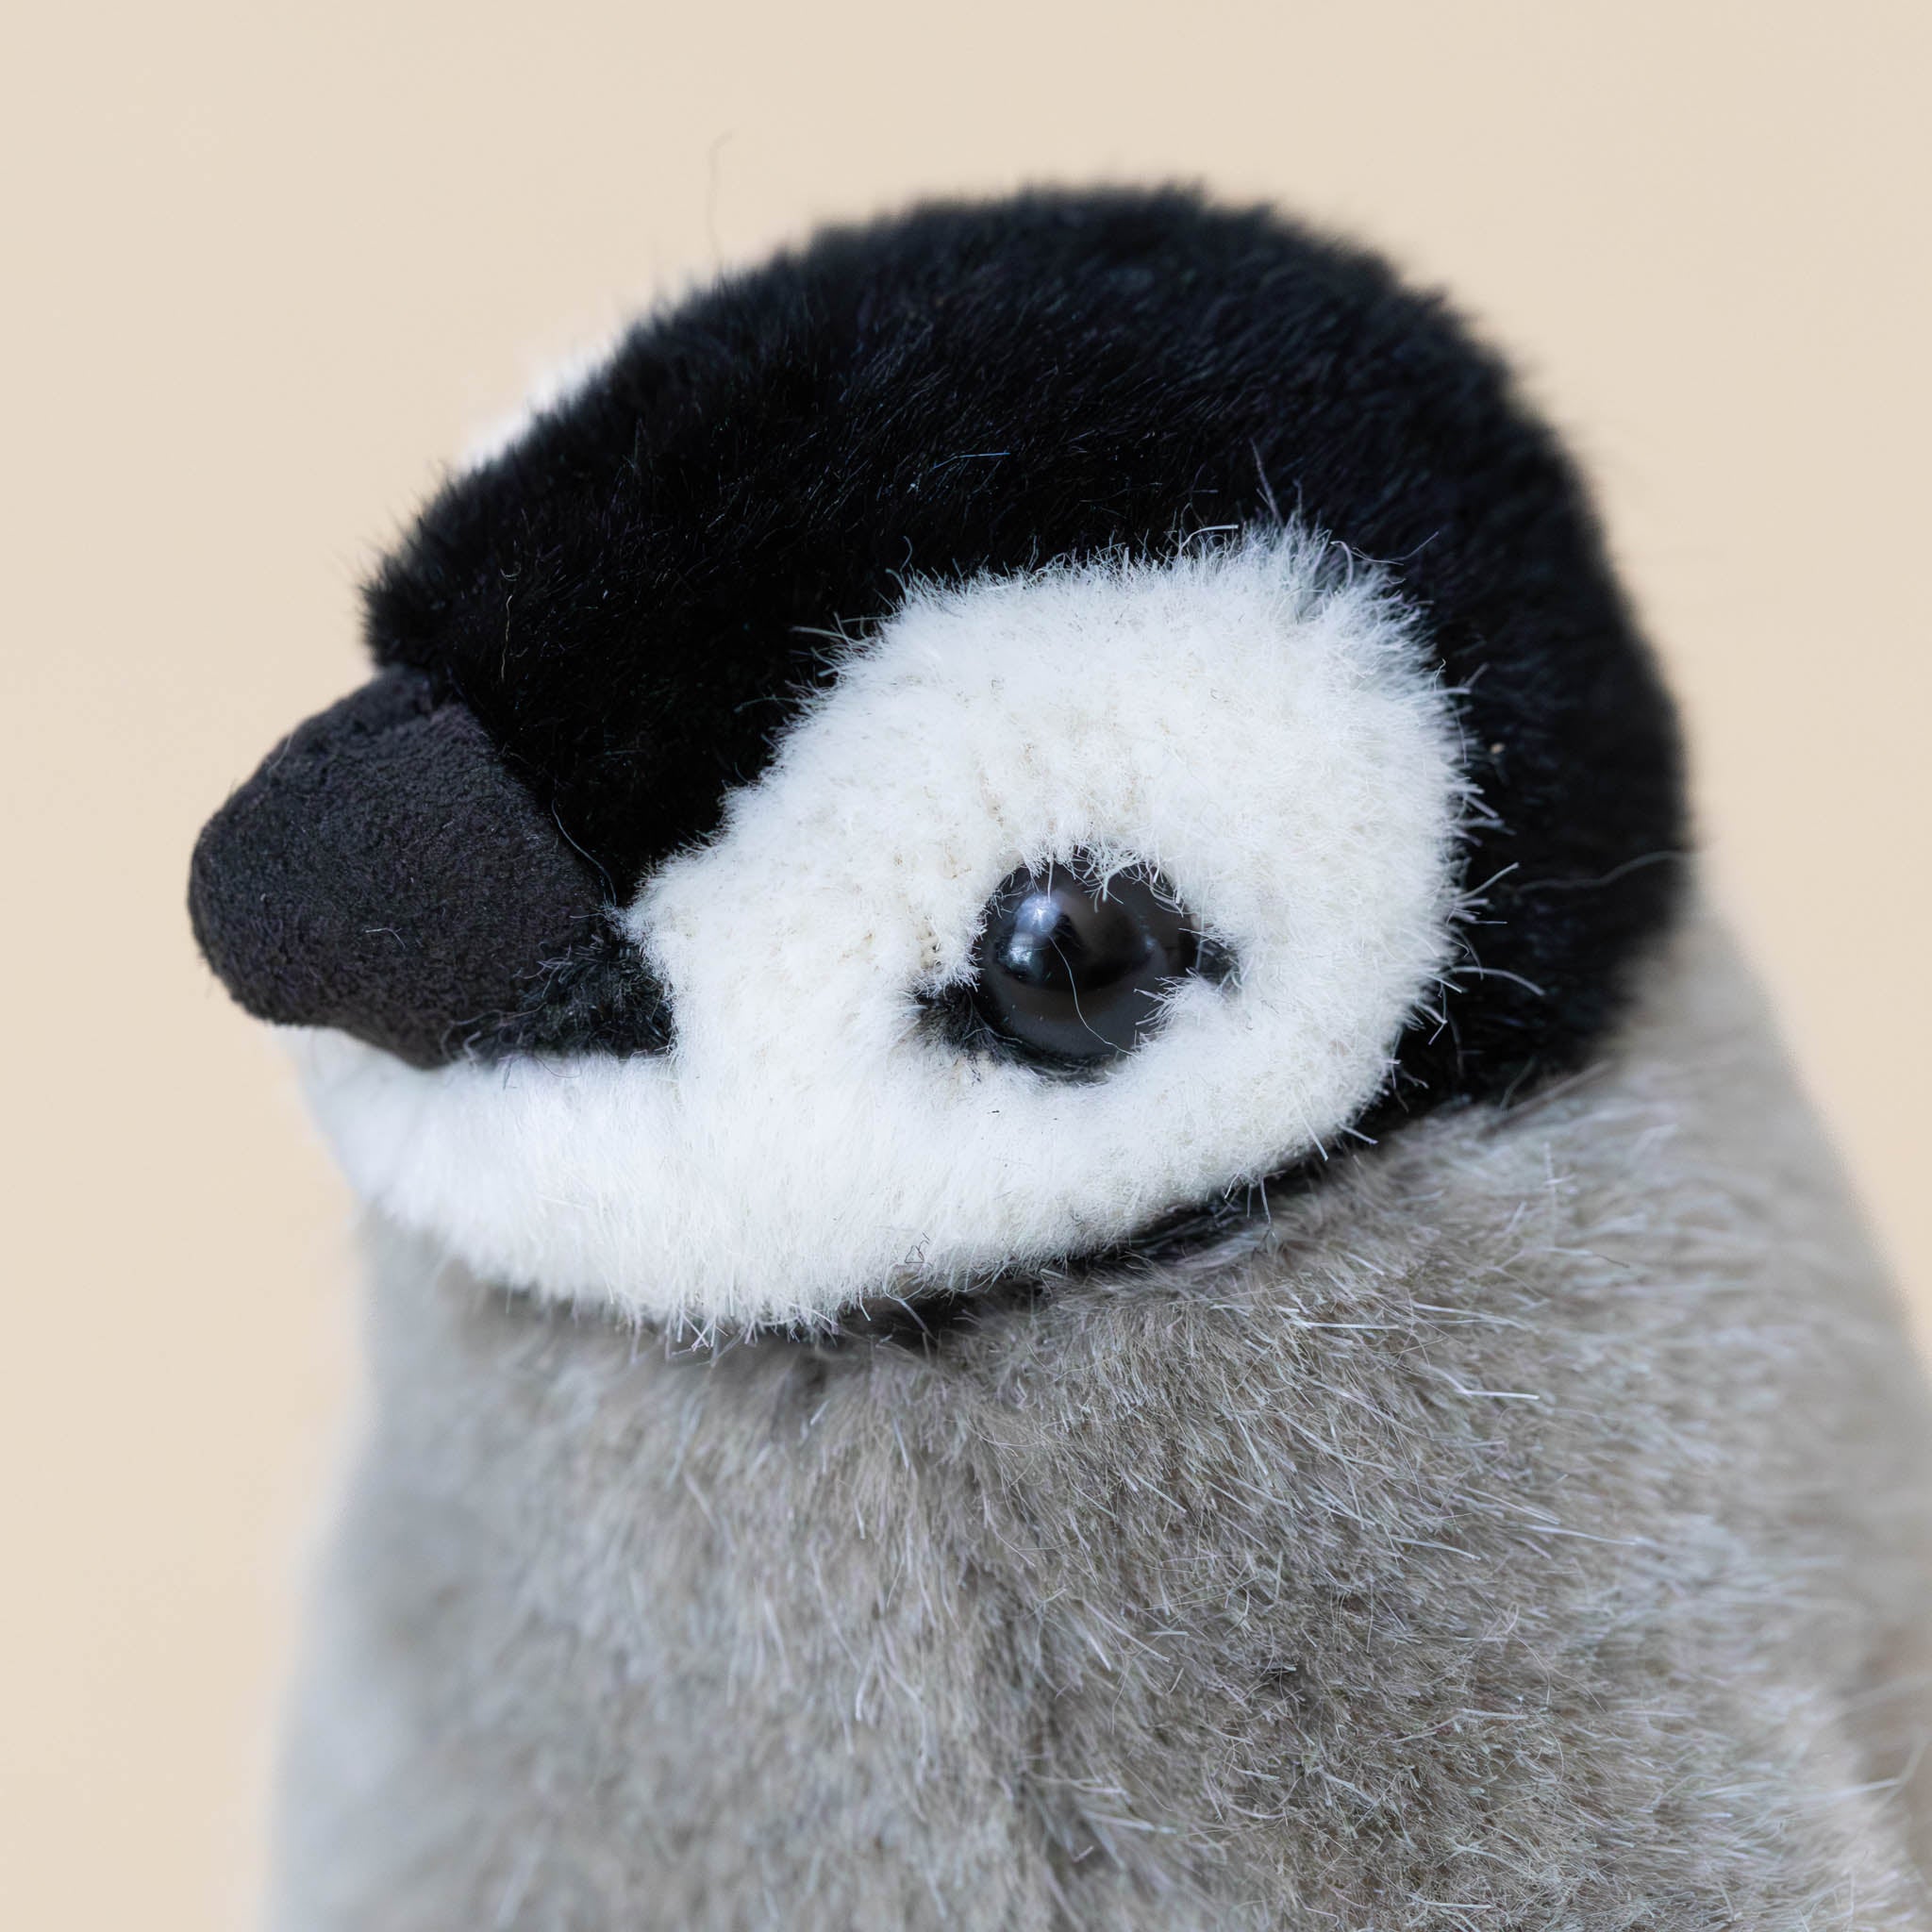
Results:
1260 722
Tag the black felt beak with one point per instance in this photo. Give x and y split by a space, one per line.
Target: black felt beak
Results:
387 873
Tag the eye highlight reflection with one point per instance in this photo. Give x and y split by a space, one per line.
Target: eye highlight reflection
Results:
1075 970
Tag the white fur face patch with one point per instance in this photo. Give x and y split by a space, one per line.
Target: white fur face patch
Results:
1258 723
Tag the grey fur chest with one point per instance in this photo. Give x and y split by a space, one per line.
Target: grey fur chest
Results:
1526 1529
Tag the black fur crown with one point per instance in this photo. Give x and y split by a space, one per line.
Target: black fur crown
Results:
590 640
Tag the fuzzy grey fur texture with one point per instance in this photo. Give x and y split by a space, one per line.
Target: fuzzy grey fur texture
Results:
1530 1529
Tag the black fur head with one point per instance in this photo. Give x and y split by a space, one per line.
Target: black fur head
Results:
617 617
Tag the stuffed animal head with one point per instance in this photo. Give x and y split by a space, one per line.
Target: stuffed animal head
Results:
981 743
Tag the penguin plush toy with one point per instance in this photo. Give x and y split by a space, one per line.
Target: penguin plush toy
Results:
1074 1222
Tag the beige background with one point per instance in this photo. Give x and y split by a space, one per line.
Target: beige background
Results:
263 273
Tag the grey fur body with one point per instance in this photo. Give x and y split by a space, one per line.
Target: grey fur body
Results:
1530 1528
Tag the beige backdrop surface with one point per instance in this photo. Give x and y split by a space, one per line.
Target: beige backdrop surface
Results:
265 269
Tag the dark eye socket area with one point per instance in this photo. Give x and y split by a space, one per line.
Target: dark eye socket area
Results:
1074 970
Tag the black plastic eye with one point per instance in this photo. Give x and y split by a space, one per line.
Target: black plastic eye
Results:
1075 972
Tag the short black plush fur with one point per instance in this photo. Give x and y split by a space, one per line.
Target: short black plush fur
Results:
634 595
635 598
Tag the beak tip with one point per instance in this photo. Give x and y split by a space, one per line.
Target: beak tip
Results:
385 872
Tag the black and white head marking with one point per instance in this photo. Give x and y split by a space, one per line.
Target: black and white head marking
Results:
1252 721
988 542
